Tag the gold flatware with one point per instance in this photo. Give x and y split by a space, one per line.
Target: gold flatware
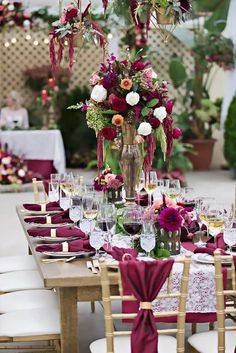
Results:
91 267
50 261
96 265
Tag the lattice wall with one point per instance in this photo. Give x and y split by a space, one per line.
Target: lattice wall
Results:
23 54
16 57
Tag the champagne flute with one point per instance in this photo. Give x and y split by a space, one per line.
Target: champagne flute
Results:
132 221
111 219
90 208
148 242
140 185
150 185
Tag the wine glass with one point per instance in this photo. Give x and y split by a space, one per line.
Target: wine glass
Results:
164 185
174 189
148 242
229 236
75 213
96 240
90 207
215 219
147 221
132 221
106 219
64 200
140 184
188 197
150 185
67 184
53 194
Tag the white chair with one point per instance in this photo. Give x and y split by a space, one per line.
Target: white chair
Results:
31 326
20 280
28 299
17 263
119 341
222 340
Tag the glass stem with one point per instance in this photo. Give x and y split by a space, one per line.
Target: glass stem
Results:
149 199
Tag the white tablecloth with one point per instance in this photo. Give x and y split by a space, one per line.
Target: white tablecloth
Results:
36 145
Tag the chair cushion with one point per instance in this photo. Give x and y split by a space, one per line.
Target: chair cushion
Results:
28 299
20 280
207 342
122 345
35 322
17 263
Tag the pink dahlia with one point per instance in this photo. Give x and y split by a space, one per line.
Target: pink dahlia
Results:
170 219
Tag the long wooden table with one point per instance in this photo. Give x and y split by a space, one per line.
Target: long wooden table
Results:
73 281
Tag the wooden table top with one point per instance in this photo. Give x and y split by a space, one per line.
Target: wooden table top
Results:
58 274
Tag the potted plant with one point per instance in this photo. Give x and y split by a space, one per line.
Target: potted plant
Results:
230 138
200 114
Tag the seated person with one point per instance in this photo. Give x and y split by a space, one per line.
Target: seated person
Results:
14 115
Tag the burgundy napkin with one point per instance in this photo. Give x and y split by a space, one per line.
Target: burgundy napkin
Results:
117 253
51 206
144 280
73 246
60 232
62 217
141 199
210 248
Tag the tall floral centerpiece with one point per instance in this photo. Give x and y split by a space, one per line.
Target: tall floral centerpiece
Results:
130 109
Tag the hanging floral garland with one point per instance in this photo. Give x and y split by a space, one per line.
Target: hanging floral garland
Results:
74 27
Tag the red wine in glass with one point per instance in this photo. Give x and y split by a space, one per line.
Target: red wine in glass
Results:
132 228
102 225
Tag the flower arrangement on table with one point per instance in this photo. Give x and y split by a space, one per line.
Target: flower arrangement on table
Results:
109 183
74 27
13 170
12 14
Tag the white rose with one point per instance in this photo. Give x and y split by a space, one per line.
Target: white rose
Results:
26 23
5 2
99 93
21 173
144 129
132 98
160 113
11 7
6 160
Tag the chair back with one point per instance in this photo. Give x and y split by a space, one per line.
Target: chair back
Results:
223 294
40 195
110 274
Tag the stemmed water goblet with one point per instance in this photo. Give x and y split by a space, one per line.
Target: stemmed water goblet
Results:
229 235
96 240
106 219
147 242
75 210
132 221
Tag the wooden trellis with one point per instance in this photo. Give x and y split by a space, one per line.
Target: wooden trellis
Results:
20 49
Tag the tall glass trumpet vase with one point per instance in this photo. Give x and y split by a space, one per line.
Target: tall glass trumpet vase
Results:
130 160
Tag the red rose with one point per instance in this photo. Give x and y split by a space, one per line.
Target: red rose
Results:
154 122
169 106
71 12
177 132
109 133
118 104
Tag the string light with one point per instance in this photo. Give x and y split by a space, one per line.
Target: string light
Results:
13 40
46 41
110 35
36 42
28 37
66 42
7 44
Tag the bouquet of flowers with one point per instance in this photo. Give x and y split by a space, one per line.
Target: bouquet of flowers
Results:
13 170
107 180
73 28
12 13
127 93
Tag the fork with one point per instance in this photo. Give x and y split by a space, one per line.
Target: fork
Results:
96 265
91 267
50 261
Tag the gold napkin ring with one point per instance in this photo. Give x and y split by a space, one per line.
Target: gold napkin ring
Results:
53 233
146 305
126 255
65 247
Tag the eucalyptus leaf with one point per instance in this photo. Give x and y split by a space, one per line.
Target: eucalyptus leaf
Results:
145 111
152 103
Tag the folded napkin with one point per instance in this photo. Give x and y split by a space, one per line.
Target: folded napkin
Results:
62 217
210 248
73 246
58 232
117 253
51 206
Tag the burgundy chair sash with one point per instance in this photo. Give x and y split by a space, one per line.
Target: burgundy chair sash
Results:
145 279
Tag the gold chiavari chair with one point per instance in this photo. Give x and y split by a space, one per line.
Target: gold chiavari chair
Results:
38 188
119 341
222 340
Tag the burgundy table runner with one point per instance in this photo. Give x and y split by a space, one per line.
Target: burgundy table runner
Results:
145 279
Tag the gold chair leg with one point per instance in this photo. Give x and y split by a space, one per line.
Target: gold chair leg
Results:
194 328
92 304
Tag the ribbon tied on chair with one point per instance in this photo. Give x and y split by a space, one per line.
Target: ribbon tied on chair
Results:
145 279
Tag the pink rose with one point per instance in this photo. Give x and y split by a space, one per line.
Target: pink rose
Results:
170 202
109 177
138 139
62 19
114 184
94 80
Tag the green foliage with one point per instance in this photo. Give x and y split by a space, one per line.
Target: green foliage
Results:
44 15
80 142
230 135
177 72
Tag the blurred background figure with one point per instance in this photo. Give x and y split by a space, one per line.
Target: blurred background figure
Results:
14 115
